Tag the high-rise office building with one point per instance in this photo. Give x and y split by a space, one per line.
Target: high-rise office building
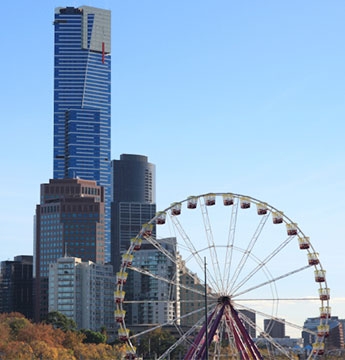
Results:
84 292
133 201
69 220
16 286
82 65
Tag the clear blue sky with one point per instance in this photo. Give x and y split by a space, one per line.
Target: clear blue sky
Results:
239 96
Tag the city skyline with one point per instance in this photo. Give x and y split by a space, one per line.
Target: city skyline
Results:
221 97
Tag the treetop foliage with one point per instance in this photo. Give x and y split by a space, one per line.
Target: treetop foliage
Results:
20 339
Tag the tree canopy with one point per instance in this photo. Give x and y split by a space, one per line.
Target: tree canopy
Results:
60 321
93 337
20 339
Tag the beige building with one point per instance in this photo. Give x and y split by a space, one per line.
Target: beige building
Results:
192 296
83 291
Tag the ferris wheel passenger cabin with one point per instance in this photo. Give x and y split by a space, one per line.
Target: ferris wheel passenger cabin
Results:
228 199
160 218
261 209
324 294
303 243
325 312
127 260
320 275
277 217
176 208
318 348
313 259
192 202
323 331
136 243
120 316
244 202
210 199
147 230
119 296
291 229
121 277
123 334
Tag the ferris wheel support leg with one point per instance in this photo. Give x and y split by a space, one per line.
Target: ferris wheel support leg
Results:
211 333
247 339
196 343
240 345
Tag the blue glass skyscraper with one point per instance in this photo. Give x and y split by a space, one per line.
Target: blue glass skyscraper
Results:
82 72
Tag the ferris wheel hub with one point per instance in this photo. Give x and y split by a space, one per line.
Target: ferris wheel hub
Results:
224 300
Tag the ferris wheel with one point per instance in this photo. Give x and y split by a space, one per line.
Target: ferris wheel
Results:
226 274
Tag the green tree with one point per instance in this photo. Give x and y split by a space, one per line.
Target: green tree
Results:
16 322
60 321
93 337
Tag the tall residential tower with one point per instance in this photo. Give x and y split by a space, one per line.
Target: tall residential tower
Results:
82 65
84 292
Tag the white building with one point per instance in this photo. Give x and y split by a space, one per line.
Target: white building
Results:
83 291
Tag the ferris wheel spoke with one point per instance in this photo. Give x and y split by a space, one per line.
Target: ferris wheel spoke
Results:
264 334
230 244
271 281
262 263
212 247
183 338
173 322
175 260
186 240
169 281
249 249
194 253
283 321
239 301
225 332
158 246
271 340
277 346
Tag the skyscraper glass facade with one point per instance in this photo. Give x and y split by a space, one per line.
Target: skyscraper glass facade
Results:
82 82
